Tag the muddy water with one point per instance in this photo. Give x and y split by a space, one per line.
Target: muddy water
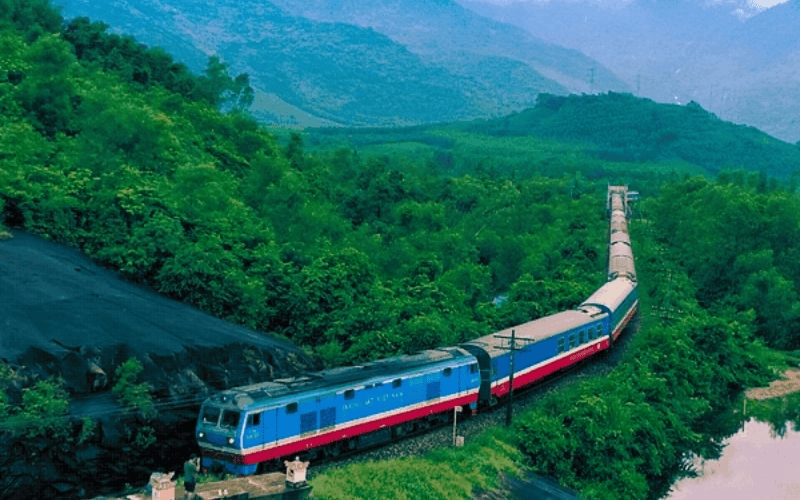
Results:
756 463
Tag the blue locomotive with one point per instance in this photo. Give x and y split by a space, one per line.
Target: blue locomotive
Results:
328 412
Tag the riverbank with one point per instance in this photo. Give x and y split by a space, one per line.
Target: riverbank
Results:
788 384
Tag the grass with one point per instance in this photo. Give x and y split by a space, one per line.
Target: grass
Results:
447 474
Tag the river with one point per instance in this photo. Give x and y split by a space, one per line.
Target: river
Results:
756 463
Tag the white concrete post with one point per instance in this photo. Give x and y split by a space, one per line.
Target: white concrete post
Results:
296 472
163 486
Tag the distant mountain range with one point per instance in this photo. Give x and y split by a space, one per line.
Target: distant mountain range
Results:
382 62
402 62
739 62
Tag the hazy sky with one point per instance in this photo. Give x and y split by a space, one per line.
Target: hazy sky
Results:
764 4
767 3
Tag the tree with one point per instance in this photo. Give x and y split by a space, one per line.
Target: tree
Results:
133 395
48 91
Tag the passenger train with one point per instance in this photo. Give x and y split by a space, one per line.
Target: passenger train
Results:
332 411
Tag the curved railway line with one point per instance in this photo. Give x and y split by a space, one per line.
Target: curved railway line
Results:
339 412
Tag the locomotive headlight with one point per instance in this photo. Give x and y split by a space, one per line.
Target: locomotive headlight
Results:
230 440
201 434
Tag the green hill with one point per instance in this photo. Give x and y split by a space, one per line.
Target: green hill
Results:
622 127
607 135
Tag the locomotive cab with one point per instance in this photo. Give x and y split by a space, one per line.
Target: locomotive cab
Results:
219 432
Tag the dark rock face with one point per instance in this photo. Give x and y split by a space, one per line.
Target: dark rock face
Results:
63 316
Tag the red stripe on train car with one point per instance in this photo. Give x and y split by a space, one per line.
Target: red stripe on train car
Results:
522 380
340 434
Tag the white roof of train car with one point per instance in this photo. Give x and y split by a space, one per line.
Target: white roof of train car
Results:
535 330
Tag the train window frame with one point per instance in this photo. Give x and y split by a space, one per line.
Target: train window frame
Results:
291 408
253 420
397 383
562 344
572 340
583 336
350 394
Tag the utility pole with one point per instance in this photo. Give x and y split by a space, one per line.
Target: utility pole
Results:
511 381
513 348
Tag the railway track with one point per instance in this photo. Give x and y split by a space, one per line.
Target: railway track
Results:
442 436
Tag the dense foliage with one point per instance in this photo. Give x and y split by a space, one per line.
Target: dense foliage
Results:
739 243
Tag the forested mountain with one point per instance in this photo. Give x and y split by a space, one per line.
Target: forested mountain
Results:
731 58
459 39
359 63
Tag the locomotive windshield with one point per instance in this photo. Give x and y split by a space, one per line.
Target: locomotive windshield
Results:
211 415
230 418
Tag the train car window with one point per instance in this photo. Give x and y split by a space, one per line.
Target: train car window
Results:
583 337
599 330
473 368
397 382
230 418
253 420
561 344
349 394
291 408
571 340
211 415
447 372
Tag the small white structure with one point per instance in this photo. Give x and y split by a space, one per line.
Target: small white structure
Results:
296 473
163 486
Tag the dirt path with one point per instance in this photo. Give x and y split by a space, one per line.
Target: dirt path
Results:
788 384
